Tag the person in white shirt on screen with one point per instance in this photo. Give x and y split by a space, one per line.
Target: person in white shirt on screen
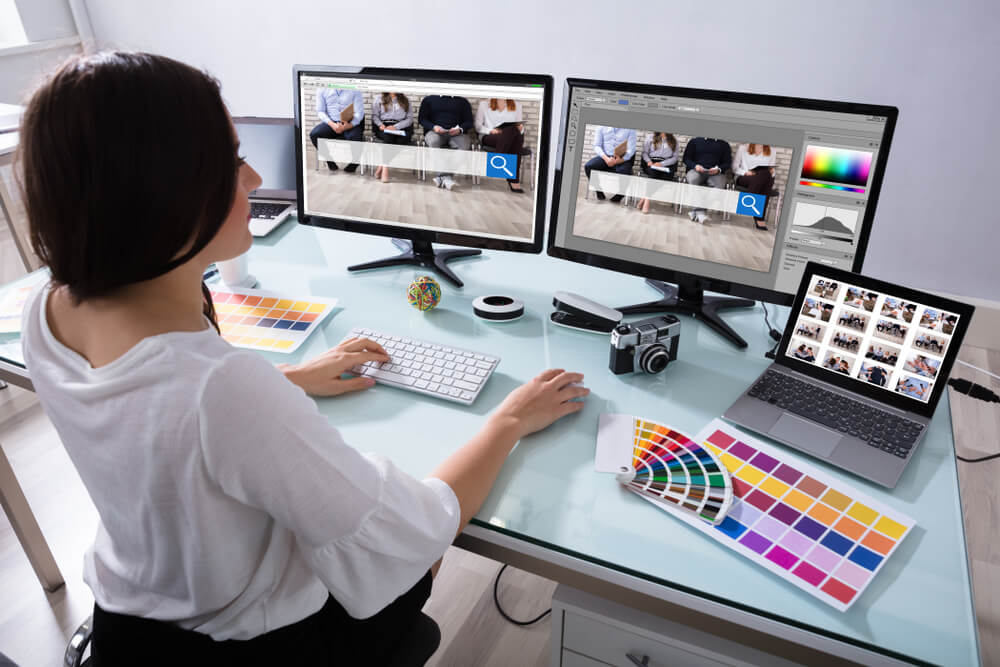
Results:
501 130
615 149
753 171
234 518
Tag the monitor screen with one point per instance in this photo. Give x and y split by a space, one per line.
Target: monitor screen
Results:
450 157
734 191
891 342
268 144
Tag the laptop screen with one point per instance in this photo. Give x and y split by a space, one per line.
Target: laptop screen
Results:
268 144
874 336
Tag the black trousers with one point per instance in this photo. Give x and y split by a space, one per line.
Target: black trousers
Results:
328 637
324 131
511 141
392 138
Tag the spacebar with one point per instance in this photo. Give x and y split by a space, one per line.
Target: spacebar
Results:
389 376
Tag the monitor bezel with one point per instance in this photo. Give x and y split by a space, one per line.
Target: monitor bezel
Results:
434 236
886 396
707 282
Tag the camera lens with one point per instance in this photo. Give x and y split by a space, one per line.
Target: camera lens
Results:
654 358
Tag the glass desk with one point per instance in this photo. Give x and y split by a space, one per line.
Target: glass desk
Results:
550 505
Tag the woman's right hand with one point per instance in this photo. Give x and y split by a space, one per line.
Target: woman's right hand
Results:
495 130
538 403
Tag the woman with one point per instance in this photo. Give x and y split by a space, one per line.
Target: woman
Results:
499 125
392 123
231 512
753 169
659 151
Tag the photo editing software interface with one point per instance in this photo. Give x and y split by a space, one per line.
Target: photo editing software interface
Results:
448 154
756 191
873 337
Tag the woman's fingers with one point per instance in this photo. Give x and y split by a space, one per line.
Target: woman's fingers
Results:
355 358
565 377
547 375
359 344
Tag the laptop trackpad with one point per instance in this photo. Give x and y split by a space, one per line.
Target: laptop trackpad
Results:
806 435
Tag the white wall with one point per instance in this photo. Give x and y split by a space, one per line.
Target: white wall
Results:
937 225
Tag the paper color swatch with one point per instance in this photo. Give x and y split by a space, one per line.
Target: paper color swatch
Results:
260 320
663 466
810 529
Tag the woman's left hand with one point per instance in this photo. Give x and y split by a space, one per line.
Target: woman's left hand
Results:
321 376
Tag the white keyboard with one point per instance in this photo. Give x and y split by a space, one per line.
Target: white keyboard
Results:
443 371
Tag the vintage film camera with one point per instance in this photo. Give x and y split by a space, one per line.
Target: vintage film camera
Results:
647 345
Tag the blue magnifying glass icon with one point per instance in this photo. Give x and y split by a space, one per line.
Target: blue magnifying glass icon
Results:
750 202
500 162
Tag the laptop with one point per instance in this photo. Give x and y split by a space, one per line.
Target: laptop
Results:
269 146
858 373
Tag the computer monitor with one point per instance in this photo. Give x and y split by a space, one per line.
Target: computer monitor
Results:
714 191
425 156
268 144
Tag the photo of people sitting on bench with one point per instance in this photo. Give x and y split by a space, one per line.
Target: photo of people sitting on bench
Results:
886 354
874 374
805 352
934 344
892 307
914 388
818 309
826 288
845 341
937 320
415 156
809 329
860 299
891 331
853 320
836 361
922 365
678 194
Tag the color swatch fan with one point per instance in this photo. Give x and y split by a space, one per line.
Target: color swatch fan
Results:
663 466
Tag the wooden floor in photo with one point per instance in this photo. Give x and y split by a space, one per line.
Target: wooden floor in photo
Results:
734 242
485 208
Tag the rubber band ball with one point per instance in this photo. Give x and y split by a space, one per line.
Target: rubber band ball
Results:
424 293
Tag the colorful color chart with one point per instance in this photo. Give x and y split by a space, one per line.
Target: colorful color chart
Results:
803 525
836 165
260 320
666 467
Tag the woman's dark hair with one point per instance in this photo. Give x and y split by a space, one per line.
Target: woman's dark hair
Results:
400 97
128 168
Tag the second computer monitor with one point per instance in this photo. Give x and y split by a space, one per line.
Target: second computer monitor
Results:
713 190
425 156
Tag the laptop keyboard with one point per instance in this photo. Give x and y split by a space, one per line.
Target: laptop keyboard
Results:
266 210
880 429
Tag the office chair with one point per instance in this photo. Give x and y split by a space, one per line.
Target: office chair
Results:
414 649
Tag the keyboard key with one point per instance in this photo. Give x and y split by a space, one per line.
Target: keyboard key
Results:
461 384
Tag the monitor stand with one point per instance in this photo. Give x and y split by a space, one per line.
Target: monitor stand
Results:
689 298
421 253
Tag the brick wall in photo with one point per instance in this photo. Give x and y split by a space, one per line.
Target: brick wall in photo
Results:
530 110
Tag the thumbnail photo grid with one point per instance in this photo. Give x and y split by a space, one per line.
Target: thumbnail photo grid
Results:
872 337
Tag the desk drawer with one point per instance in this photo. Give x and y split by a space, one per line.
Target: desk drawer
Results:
570 659
610 644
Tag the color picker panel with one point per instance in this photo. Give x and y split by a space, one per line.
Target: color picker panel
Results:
836 165
810 529
259 320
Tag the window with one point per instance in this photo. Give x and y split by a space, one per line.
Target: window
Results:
11 28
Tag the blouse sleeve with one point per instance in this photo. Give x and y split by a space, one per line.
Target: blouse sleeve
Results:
368 530
481 118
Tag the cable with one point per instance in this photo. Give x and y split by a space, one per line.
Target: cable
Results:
979 460
496 601
981 370
970 388
772 332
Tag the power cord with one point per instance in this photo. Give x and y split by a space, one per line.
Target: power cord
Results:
977 391
772 332
496 601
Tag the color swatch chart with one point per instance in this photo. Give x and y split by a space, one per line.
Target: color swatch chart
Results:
665 466
260 320
11 307
801 524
